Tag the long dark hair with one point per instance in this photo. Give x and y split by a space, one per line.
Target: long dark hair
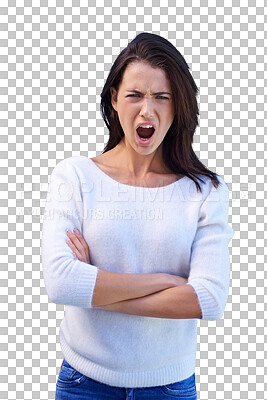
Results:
177 151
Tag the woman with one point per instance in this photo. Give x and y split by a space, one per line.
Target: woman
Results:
150 256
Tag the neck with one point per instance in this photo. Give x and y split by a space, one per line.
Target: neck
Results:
138 165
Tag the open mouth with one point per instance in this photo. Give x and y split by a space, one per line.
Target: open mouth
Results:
145 135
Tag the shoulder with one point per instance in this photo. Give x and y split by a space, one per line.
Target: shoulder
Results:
215 201
67 177
209 192
71 162
70 171
208 185
71 167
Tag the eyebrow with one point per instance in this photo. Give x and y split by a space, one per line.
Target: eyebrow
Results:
137 91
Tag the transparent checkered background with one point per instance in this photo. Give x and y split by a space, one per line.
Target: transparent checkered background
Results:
54 59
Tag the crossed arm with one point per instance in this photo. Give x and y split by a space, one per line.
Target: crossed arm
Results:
177 302
168 298
158 295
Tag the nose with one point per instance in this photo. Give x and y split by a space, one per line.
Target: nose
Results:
147 108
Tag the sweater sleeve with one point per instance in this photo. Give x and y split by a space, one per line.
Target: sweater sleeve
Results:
67 280
210 260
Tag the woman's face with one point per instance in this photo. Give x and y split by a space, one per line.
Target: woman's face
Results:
135 108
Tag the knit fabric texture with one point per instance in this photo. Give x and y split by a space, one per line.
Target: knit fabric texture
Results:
133 229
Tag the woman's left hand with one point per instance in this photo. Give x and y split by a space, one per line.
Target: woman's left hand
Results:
79 246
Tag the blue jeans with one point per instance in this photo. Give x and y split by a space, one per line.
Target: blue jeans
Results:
72 385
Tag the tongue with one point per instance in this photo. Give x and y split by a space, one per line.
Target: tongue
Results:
145 132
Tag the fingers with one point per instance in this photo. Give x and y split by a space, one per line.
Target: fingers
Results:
80 238
73 241
77 238
78 245
74 238
73 247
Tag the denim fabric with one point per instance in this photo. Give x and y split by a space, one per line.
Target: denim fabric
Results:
72 385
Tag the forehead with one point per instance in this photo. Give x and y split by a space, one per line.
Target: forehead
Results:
141 75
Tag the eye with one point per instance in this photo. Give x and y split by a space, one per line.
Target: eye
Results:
161 97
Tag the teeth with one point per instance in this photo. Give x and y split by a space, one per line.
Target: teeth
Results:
145 126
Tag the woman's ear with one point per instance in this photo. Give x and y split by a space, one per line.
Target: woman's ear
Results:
113 94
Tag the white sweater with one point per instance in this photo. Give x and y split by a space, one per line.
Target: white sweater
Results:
130 229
